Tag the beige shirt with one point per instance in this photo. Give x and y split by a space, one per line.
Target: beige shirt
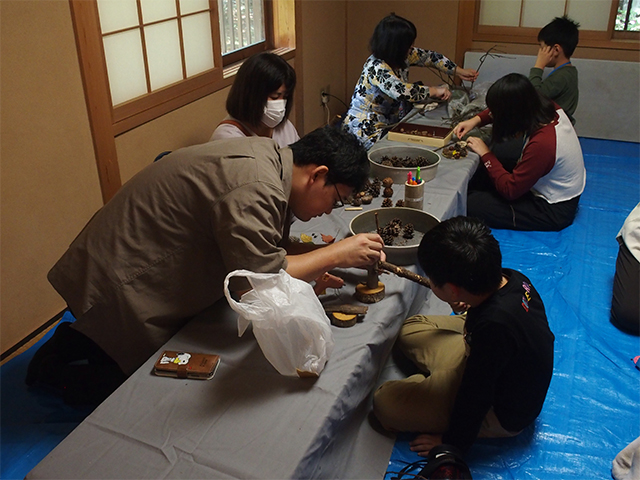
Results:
158 252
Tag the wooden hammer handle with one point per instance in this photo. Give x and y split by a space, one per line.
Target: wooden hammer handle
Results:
403 272
372 276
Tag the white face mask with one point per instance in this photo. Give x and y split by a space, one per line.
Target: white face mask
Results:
274 112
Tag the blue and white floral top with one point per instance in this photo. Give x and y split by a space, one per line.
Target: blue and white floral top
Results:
383 96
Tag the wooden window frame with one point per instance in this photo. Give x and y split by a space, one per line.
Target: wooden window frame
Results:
470 31
107 122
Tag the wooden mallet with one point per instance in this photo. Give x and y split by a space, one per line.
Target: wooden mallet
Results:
372 290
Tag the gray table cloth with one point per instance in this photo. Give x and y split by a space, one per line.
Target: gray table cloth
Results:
249 422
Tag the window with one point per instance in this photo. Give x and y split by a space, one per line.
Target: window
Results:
628 16
518 21
158 55
141 59
536 14
150 44
243 29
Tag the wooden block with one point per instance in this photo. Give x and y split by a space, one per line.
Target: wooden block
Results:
343 319
365 294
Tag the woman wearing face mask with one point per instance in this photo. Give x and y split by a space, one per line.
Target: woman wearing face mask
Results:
259 101
258 104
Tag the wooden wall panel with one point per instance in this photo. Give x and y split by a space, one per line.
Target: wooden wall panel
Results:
50 184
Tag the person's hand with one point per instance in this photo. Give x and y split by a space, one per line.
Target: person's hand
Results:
477 145
546 54
468 74
359 250
424 442
461 129
441 93
325 281
459 307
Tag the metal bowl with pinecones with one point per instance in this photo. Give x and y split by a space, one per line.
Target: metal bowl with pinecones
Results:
401 228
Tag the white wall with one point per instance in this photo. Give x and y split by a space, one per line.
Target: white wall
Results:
609 106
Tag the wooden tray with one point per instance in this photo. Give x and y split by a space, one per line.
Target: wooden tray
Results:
422 134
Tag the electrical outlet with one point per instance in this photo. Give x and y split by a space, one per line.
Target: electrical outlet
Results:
325 95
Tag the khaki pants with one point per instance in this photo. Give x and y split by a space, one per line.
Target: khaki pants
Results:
423 402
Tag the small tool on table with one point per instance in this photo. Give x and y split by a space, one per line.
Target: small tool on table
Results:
373 290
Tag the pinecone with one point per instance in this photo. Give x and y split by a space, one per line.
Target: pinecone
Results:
387 239
387 202
373 187
407 231
400 203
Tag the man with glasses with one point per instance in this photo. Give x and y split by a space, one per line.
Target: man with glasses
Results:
158 252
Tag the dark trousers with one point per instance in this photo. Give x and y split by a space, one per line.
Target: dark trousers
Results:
528 212
74 366
625 304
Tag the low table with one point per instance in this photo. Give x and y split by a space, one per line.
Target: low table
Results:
249 421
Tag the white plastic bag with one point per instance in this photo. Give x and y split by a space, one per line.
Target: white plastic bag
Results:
289 322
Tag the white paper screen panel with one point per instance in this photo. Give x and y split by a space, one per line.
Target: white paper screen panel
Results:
163 53
191 6
154 10
198 46
170 53
117 14
537 13
590 14
125 66
504 13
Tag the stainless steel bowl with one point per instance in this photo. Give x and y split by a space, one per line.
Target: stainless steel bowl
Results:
406 254
399 174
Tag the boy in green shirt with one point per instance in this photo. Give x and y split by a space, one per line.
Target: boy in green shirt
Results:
558 40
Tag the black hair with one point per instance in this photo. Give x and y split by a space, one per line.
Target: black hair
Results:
462 251
562 31
340 151
258 77
517 107
392 39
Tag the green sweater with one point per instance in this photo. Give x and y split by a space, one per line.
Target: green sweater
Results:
561 86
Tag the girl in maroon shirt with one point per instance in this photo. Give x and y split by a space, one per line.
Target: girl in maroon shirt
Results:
543 189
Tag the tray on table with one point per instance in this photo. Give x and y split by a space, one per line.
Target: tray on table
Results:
430 135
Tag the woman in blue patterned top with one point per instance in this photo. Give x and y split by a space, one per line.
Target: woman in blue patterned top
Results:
383 95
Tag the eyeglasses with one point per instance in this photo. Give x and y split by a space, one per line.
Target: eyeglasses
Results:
339 196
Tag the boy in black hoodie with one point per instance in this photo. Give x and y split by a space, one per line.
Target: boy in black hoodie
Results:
485 372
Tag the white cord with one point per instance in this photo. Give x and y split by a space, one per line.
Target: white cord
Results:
326 107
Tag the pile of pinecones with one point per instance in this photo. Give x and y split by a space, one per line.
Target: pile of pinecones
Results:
369 191
393 229
404 162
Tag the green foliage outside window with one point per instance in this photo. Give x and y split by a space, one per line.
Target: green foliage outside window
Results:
628 17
